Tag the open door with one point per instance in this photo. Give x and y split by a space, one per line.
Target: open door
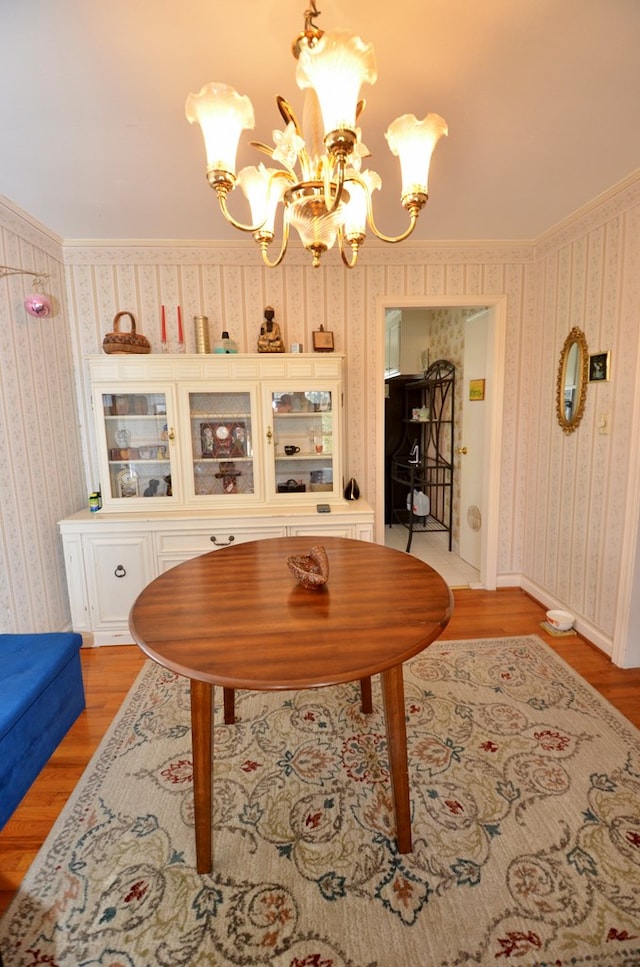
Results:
493 310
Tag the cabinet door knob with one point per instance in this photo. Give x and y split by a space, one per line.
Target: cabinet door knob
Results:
120 571
269 434
214 540
172 434
461 450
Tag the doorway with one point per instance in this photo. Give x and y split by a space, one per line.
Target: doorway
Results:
492 309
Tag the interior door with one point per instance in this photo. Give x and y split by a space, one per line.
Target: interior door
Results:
470 446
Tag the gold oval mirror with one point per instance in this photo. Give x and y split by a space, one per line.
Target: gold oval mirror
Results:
573 374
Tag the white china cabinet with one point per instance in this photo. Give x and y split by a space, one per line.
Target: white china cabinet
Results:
198 451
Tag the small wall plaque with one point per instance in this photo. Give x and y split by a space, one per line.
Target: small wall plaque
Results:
476 389
322 341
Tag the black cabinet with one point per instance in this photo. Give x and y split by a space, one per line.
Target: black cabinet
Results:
422 466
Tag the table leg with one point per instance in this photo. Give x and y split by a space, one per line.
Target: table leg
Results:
202 745
229 706
366 702
396 727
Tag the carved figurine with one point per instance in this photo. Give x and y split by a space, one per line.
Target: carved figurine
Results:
270 339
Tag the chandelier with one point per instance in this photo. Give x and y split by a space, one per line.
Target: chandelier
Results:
324 192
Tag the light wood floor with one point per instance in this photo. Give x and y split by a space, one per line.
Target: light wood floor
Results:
109 673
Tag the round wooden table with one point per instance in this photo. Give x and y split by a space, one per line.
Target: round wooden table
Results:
237 618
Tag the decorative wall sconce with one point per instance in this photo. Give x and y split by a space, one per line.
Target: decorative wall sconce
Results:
36 304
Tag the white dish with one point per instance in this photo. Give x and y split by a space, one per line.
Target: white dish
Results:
560 620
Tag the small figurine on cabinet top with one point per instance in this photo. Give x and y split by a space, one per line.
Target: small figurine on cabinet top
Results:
270 338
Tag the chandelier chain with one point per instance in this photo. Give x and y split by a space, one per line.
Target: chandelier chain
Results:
309 16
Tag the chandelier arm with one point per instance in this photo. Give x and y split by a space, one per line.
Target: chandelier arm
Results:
285 242
329 180
413 208
222 198
350 263
397 238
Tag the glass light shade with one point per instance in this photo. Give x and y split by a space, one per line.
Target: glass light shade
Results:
319 230
263 193
336 67
413 142
355 210
222 114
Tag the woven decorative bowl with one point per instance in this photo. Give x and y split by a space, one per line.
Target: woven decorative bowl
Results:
117 342
310 570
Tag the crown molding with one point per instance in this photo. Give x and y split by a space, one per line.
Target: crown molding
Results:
607 206
241 253
14 219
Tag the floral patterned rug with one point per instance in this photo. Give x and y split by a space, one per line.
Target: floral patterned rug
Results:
526 826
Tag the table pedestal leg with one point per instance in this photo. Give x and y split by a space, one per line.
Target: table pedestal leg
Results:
202 745
396 727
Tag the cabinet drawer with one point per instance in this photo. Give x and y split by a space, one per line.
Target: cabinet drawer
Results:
330 529
187 544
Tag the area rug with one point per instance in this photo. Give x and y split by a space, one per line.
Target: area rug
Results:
525 790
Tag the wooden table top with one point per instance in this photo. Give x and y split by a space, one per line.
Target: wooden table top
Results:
236 617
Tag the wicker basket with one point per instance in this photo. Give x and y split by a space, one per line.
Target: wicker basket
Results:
310 570
125 342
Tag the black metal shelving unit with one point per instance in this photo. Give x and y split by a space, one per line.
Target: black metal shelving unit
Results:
424 460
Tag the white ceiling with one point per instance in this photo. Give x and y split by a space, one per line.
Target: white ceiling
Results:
541 97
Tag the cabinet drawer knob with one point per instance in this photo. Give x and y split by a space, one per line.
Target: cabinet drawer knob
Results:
214 540
120 571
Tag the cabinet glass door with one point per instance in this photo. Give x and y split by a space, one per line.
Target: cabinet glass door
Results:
221 460
304 461
137 439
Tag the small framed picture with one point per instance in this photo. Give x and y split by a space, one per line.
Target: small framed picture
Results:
599 367
476 389
322 341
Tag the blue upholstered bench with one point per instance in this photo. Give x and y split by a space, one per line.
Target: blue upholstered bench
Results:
41 696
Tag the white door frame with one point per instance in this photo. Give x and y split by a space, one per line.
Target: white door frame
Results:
496 340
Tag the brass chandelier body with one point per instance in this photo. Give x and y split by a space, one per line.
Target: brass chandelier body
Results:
321 187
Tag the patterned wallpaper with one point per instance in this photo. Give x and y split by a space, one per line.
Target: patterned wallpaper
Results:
563 499
41 470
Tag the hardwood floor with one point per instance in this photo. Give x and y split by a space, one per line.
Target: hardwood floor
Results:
109 673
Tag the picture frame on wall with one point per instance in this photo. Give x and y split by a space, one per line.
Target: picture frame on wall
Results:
599 367
476 389
322 341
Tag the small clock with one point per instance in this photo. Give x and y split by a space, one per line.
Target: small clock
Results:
128 483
